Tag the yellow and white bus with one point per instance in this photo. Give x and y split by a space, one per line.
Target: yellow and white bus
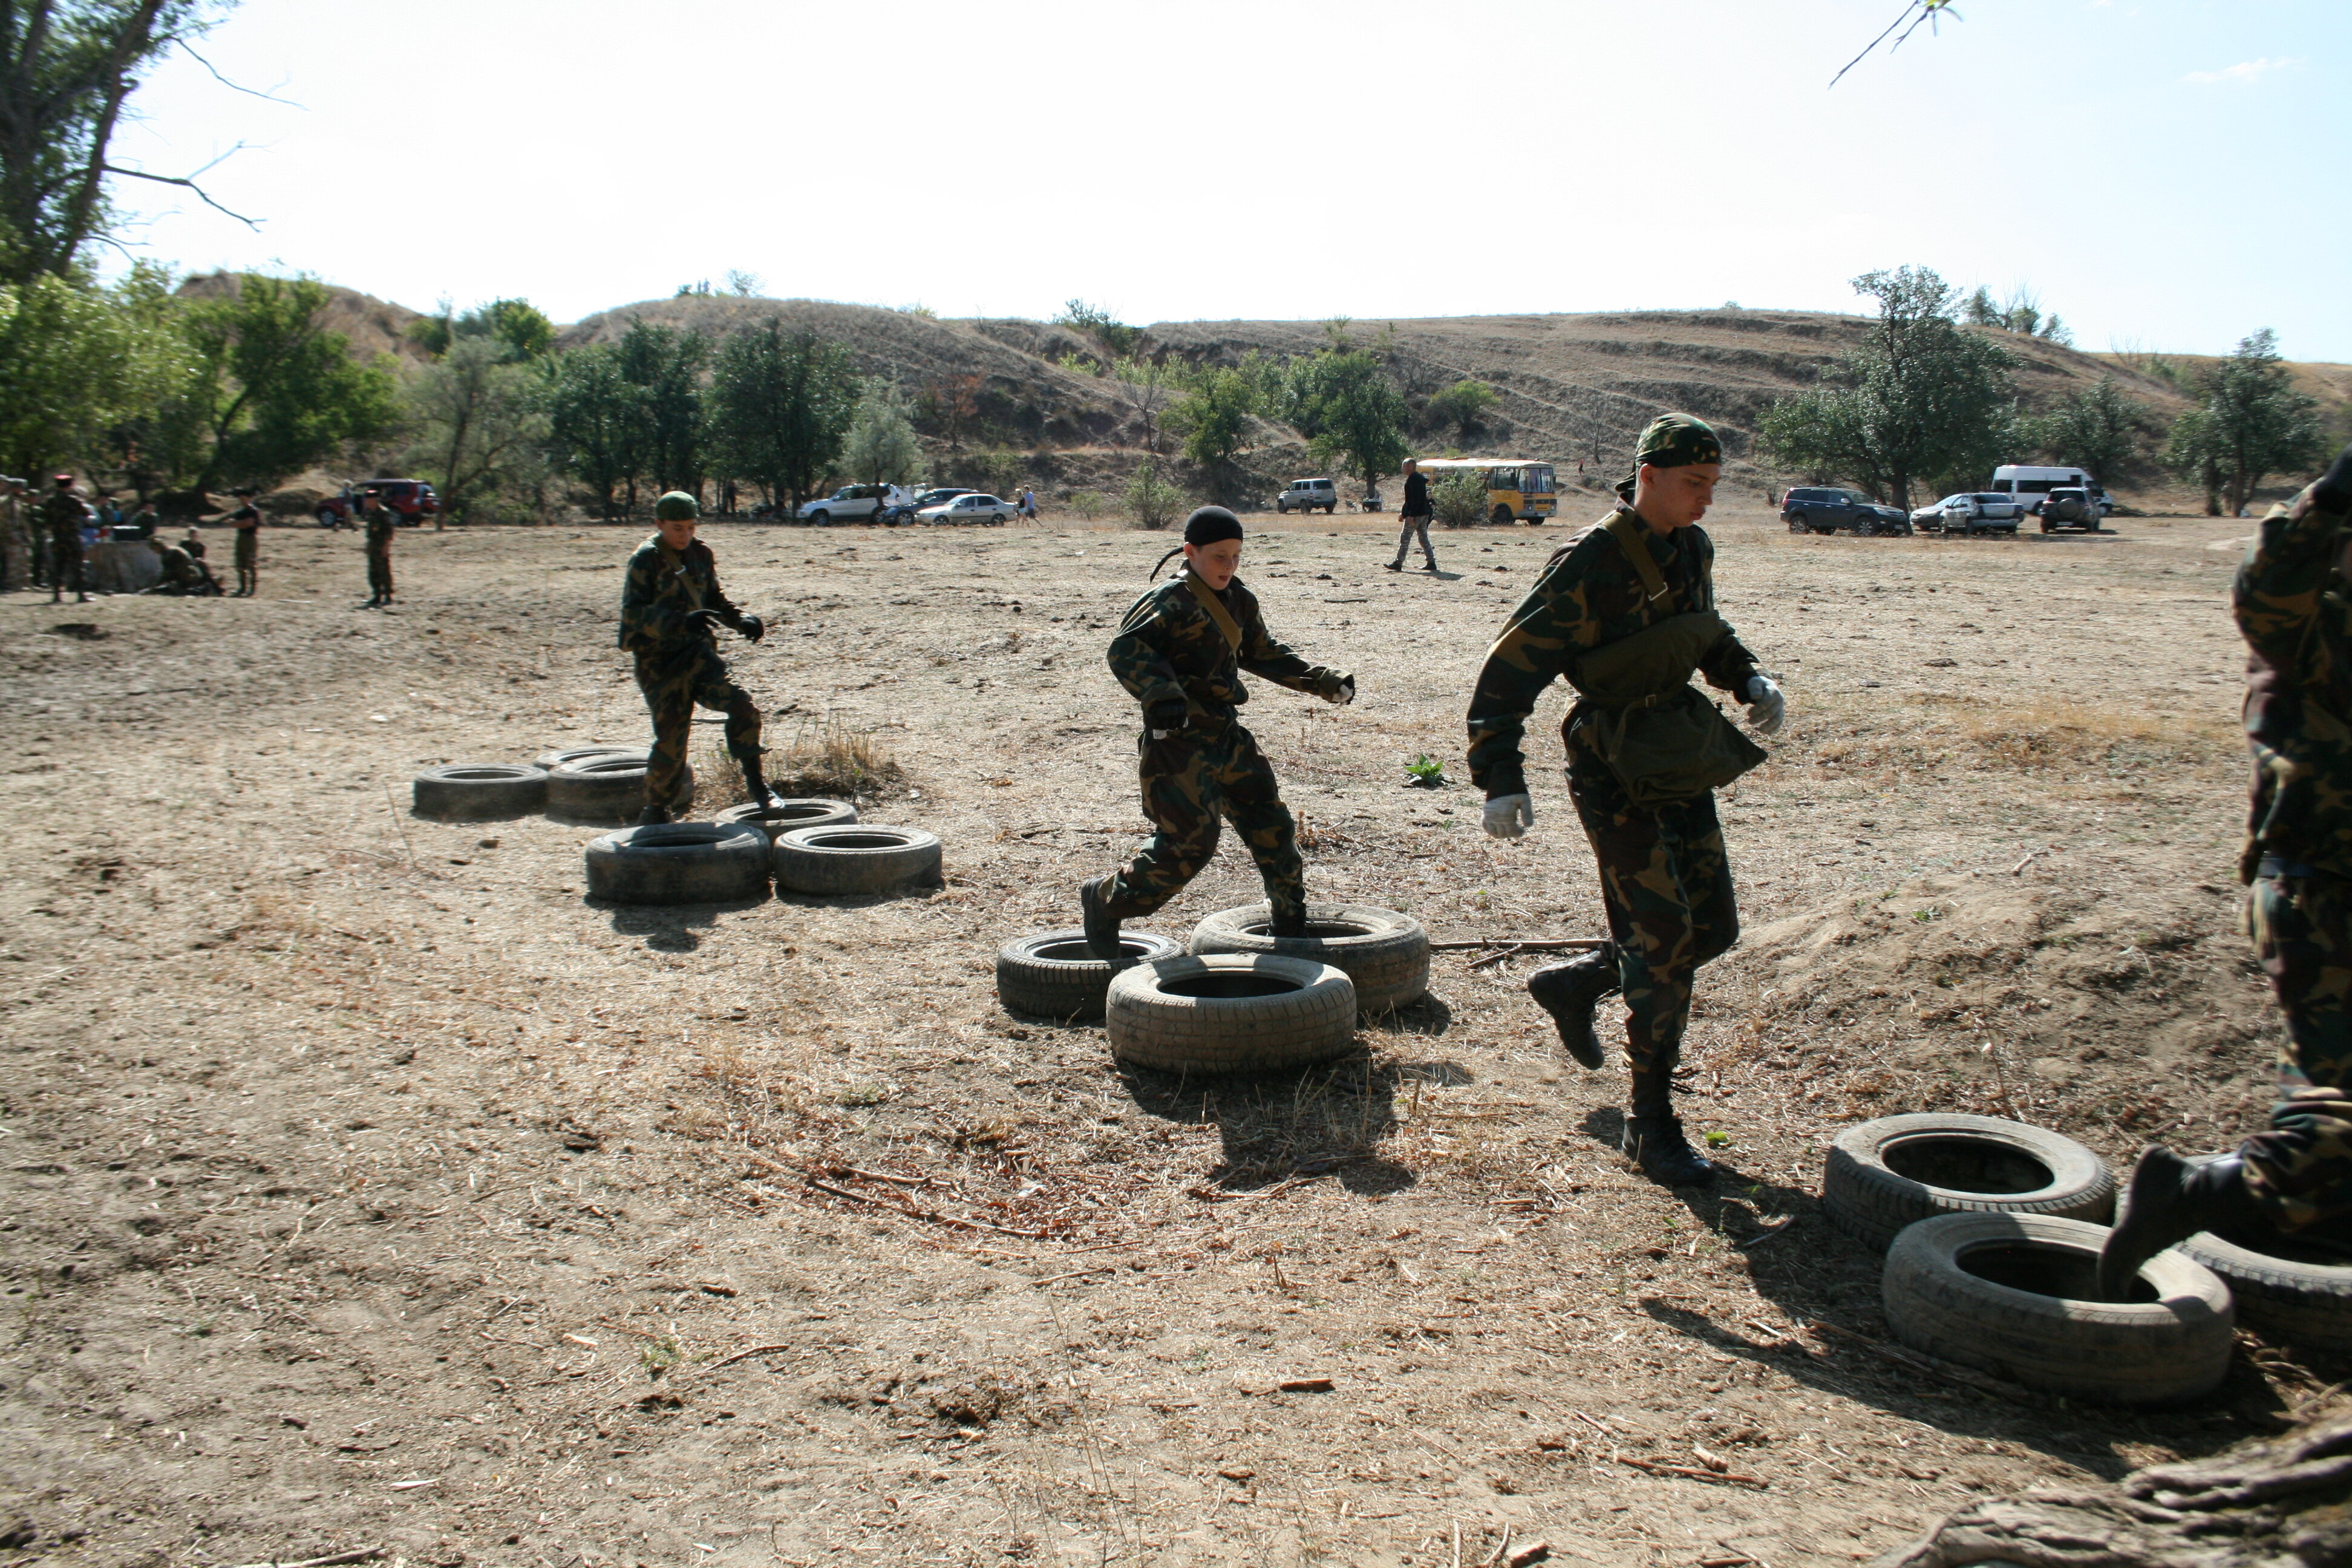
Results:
1516 488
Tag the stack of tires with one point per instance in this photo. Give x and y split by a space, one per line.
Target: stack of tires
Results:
1992 1230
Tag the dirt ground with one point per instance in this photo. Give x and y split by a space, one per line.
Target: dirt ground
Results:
365 1186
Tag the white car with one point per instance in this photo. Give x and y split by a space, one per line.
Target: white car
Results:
1970 512
851 503
1305 495
987 510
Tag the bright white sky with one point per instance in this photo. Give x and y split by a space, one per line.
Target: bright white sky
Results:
2167 174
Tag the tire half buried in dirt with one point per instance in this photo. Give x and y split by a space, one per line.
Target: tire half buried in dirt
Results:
1230 1012
2006 1293
678 863
549 760
855 857
787 814
1885 1174
608 787
478 792
1054 974
1385 953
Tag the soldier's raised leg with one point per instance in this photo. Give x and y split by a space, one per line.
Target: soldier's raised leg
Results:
1253 803
1181 798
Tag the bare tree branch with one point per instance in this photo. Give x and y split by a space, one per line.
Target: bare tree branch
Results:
235 86
1930 11
189 183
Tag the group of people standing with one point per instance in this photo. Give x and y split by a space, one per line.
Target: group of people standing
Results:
45 541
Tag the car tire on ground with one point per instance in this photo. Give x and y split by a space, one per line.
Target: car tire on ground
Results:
1501 514
2008 1294
820 519
1229 1012
854 857
1797 523
678 863
787 814
1054 974
547 762
478 792
1881 1175
609 786
1384 954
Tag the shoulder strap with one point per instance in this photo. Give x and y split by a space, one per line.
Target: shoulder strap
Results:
1221 615
1625 528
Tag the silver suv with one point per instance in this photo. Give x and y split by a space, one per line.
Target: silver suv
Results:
1305 495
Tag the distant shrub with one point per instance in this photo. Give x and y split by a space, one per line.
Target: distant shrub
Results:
1459 499
1086 506
1152 501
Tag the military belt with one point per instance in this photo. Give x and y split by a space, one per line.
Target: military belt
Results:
2280 865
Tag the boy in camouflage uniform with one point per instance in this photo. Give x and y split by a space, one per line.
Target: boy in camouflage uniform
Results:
1180 653
382 525
1664 880
670 599
62 516
2289 600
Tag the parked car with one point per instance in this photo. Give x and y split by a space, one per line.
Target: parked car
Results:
970 508
413 498
1305 495
851 503
1977 511
2068 506
941 496
1810 508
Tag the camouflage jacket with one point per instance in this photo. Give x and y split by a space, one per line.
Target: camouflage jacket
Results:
1589 595
382 524
2293 605
62 512
661 591
1168 645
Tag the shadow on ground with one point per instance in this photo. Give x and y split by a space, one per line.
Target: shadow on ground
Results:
1327 1120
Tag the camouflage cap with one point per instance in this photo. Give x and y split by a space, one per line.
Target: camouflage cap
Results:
1673 441
677 505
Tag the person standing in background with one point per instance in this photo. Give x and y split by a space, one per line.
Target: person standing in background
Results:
1417 514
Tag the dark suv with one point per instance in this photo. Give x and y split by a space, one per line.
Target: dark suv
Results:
413 498
2069 506
1813 510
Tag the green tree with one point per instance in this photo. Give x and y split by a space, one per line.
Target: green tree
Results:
520 329
67 70
1918 399
1349 411
482 428
2251 422
1459 499
782 404
1152 501
1099 324
593 419
1463 405
2099 429
83 369
667 364
272 390
1213 416
880 448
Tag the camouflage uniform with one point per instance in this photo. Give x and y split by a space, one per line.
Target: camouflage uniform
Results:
678 663
1169 649
1664 880
62 516
2294 604
182 575
382 525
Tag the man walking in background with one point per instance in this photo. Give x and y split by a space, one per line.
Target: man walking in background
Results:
63 515
1416 515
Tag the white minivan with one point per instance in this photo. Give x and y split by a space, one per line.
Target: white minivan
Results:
2029 484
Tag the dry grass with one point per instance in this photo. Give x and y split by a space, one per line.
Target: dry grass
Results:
828 758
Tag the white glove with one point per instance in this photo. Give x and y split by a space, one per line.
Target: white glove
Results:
1767 708
1345 693
1509 816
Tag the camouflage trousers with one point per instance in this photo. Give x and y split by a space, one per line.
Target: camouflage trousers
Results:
2302 1167
378 564
674 681
1666 886
1189 781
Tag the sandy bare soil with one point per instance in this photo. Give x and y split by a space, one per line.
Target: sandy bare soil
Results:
365 1186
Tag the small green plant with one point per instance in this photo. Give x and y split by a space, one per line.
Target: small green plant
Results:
1718 1139
1086 506
864 1094
659 1355
1459 499
1426 771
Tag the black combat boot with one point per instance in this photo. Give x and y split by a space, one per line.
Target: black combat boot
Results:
652 816
1652 1138
1569 992
755 780
1290 925
2168 1201
1102 926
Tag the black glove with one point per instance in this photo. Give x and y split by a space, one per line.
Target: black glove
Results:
2334 491
753 627
1168 713
707 621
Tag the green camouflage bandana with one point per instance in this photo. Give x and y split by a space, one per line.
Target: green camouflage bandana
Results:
1671 441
